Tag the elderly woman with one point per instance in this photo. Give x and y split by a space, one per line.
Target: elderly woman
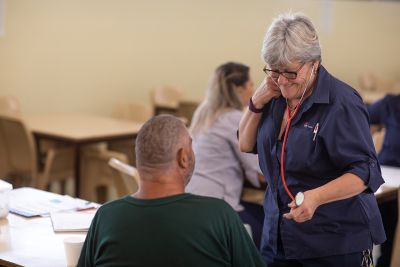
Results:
311 133
220 166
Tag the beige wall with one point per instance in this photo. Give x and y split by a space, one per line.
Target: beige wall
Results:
83 55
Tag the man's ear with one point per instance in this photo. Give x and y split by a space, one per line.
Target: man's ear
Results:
182 158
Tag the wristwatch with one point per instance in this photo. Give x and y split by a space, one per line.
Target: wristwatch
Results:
298 200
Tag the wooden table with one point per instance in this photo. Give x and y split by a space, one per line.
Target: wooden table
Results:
79 130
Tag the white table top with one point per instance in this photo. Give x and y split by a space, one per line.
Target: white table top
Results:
80 127
391 175
31 242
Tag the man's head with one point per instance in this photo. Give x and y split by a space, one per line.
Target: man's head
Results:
164 146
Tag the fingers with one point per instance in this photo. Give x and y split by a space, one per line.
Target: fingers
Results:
298 214
288 216
292 204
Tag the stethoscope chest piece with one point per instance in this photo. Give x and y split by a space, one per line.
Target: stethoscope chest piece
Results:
299 199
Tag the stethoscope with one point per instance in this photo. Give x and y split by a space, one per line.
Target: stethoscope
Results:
299 198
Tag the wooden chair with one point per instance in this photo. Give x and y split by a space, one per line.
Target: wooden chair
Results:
126 178
99 179
137 112
395 261
378 137
23 164
10 105
186 110
166 100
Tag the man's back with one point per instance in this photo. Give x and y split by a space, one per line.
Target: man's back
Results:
180 230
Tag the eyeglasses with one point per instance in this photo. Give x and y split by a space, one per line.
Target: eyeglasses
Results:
274 74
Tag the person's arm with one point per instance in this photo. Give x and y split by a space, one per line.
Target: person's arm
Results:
345 186
249 123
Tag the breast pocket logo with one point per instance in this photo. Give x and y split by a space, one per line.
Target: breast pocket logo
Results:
307 125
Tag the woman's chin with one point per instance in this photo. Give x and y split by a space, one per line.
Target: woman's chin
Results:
289 94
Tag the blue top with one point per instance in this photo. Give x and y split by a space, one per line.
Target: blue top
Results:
343 144
387 112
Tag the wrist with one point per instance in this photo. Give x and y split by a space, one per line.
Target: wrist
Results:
254 108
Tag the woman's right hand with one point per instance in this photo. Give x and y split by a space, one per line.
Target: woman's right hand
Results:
265 92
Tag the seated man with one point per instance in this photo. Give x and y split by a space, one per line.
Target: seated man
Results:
160 225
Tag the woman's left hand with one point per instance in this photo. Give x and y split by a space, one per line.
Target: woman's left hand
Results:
306 210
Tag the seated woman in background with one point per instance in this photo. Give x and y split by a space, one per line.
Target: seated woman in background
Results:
221 168
386 112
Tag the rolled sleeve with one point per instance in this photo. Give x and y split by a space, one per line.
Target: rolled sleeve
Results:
369 172
349 143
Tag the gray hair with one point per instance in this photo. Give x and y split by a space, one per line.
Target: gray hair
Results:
158 141
291 38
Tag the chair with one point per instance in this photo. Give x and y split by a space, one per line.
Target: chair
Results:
378 138
10 105
166 99
137 112
20 152
186 110
395 260
99 180
127 180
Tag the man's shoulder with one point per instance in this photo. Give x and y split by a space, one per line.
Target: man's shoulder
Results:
207 202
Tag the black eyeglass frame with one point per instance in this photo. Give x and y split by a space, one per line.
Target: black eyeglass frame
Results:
290 75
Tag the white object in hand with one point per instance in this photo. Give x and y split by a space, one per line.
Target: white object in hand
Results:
299 198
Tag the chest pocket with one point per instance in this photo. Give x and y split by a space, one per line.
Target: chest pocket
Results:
301 146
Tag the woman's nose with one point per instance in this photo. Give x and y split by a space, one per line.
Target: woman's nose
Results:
282 80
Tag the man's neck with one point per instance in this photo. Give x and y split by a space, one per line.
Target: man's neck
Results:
158 189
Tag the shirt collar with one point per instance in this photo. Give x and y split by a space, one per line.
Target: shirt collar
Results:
322 87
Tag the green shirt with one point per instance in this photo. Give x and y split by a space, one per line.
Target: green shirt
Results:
181 230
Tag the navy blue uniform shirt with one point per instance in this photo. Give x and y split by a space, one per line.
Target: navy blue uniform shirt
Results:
387 112
343 144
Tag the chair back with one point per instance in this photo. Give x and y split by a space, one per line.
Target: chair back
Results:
378 138
19 146
9 105
128 179
137 112
166 99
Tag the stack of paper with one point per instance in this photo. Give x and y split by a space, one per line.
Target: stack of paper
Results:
71 221
31 202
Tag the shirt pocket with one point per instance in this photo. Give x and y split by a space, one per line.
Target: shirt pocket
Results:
301 146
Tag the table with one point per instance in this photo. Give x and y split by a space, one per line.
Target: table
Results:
388 191
78 130
31 242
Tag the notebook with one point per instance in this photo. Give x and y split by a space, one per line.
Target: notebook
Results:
71 221
30 202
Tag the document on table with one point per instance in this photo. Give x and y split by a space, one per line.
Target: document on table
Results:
71 221
30 202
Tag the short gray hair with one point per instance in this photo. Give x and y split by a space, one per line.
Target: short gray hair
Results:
291 38
158 141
